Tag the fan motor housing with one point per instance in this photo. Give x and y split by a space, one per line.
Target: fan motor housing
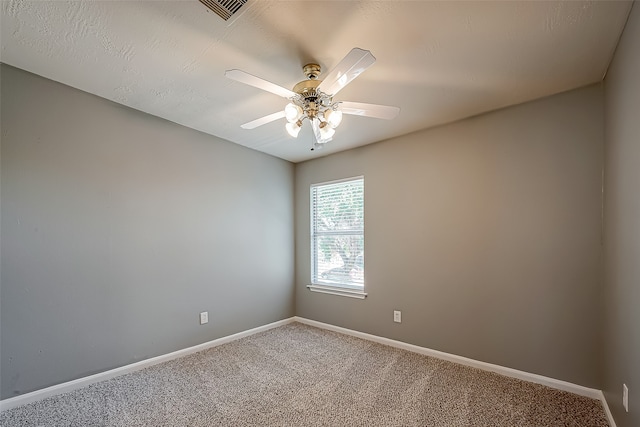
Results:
307 88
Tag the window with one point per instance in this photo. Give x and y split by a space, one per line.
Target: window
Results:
337 237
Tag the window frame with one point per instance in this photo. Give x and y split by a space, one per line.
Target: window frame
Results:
342 289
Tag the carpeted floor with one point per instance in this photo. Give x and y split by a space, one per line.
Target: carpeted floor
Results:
297 375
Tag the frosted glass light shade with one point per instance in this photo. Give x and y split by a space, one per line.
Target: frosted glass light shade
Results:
293 129
327 132
292 112
333 117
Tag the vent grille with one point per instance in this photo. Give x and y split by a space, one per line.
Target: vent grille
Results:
225 9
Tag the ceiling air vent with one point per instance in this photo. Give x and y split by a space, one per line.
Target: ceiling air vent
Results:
225 9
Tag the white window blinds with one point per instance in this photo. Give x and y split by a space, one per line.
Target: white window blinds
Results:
337 233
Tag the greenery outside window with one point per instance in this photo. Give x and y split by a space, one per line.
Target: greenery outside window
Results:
337 237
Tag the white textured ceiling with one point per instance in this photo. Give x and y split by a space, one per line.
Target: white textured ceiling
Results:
439 61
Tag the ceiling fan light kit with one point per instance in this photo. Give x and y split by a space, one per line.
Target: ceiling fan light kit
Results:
313 105
312 99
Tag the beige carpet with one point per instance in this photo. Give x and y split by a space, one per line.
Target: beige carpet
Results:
297 375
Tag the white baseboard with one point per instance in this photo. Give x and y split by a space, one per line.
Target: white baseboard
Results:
34 396
612 422
509 372
66 387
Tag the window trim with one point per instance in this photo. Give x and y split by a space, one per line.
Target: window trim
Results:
346 290
334 290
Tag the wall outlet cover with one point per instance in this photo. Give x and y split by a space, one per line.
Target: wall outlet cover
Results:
397 316
625 397
204 317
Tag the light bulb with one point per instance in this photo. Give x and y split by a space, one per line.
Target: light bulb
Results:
292 112
333 117
293 128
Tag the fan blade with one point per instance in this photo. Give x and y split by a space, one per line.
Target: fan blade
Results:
348 69
251 80
263 120
369 110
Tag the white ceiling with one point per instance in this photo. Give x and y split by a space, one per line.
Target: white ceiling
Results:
439 61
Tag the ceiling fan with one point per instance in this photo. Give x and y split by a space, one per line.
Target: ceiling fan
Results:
312 99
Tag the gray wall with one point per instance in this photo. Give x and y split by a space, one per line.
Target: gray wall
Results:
486 233
118 228
622 226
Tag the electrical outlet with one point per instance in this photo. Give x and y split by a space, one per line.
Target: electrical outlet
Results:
204 317
625 397
397 316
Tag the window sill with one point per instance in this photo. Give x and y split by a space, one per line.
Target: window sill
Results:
343 292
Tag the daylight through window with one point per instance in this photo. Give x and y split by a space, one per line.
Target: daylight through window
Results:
337 234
